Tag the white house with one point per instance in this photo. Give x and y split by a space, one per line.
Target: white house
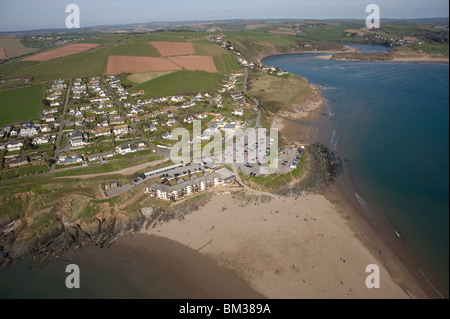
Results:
50 118
41 140
120 130
125 149
187 105
14 146
238 112
171 122
188 119
201 116
177 98
77 139
28 131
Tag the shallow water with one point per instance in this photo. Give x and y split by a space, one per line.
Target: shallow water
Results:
390 123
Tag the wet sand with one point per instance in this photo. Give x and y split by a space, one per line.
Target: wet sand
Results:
142 266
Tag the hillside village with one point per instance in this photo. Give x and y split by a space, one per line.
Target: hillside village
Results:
100 119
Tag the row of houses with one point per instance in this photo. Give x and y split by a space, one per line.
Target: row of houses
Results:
27 130
190 186
26 160
78 138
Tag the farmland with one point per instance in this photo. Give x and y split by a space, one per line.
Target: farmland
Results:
181 82
134 64
136 49
61 52
146 76
13 47
174 48
224 61
21 104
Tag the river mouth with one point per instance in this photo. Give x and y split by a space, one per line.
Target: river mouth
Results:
392 134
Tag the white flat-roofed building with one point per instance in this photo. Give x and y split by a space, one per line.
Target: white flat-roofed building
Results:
191 184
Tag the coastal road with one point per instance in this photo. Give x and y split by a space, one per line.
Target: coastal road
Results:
61 127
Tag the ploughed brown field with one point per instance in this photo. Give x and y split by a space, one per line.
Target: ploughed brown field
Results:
137 64
61 52
174 48
195 63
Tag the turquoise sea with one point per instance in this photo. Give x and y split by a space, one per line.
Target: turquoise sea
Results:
390 123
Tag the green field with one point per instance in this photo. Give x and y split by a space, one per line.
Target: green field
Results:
21 104
181 82
136 49
13 66
73 66
12 84
225 62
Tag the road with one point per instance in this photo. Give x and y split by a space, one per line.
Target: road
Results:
61 128
256 105
238 179
125 171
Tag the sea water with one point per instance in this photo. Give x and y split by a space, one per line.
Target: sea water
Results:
390 123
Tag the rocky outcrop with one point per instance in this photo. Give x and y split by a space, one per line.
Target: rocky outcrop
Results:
58 238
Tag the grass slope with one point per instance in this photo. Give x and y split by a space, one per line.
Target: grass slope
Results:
225 62
279 93
21 104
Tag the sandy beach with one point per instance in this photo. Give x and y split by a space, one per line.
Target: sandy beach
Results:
291 247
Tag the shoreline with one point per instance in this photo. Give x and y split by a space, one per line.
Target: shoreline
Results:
395 59
263 56
342 191
423 59
315 128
